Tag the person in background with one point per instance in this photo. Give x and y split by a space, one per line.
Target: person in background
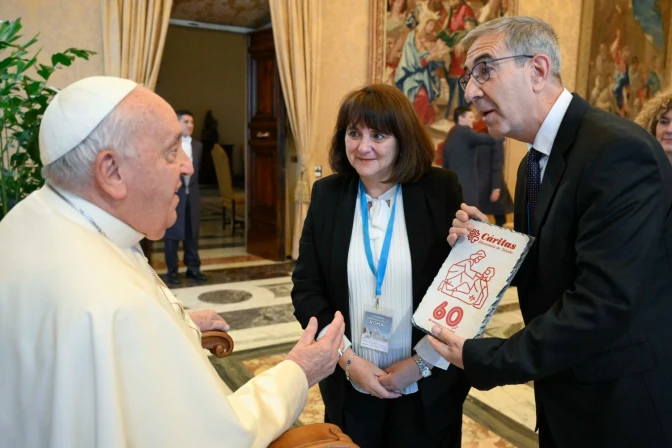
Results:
373 240
460 155
656 117
494 197
188 223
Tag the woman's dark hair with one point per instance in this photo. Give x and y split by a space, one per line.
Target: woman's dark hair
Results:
385 109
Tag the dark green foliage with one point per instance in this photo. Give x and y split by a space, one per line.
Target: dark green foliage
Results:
24 96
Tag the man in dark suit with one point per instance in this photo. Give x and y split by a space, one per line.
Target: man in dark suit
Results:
493 194
459 152
595 290
186 228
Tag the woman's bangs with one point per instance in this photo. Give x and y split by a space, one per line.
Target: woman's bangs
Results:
369 110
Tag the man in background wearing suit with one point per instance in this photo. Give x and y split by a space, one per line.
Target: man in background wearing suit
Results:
459 152
186 228
493 194
595 290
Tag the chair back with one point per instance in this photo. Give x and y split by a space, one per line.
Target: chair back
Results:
223 172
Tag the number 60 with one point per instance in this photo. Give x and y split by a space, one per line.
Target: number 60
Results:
453 317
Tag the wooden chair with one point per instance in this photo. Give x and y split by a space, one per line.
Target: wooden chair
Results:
219 343
317 435
229 197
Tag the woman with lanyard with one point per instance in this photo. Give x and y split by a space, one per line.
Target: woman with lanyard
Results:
373 240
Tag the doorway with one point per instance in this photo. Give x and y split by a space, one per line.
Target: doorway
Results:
205 72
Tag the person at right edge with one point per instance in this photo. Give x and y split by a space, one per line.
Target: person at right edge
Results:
595 290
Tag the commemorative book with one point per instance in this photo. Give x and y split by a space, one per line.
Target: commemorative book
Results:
472 281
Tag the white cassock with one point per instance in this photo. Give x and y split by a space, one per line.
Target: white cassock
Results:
92 354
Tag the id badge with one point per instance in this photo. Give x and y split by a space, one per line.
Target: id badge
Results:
377 329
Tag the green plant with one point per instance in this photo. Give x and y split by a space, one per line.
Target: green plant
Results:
23 100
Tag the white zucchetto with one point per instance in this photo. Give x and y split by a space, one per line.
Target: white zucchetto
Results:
76 111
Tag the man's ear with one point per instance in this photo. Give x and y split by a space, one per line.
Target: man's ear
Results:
541 71
108 176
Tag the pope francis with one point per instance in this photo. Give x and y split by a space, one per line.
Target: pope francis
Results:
94 350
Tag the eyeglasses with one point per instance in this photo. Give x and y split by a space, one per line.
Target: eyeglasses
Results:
481 71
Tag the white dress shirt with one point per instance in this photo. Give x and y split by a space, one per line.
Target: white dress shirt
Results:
186 146
543 142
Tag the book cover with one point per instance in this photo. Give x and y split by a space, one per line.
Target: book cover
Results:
472 281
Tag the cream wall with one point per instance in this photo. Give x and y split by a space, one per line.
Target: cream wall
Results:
206 69
62 24
344 65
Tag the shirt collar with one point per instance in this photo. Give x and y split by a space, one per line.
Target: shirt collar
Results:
115 230
543 142
186 139
388 195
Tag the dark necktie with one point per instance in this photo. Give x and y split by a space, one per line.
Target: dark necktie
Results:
533 180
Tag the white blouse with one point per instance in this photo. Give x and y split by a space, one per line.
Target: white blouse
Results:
397 288
396 291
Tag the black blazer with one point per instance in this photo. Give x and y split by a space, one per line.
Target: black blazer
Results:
490 162
176 231
595 290
459 155
321 278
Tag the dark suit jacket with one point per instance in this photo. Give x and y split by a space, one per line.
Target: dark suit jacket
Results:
459 155
321 278
595 290
176 232
490 162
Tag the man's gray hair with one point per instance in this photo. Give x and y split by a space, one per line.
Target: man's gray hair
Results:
74 169
523 35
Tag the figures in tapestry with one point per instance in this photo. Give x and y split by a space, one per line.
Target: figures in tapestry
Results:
423 57
628 44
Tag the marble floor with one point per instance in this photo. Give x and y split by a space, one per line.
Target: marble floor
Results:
255 301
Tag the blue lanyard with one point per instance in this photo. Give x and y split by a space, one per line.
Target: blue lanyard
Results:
382 263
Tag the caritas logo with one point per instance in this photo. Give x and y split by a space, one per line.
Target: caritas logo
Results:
474 236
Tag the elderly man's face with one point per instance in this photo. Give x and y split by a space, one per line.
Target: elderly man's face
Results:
503 100
153 176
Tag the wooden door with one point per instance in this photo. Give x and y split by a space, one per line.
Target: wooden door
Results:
266 151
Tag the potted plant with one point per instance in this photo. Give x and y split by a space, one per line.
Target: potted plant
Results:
24 96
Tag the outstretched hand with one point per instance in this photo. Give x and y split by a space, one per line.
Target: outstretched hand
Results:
209 320
318 359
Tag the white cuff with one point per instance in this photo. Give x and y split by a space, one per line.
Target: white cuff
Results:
346 342
428 354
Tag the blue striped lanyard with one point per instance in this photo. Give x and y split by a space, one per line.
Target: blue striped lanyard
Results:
384 253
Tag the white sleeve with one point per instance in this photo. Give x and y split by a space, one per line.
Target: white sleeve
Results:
166 393
428 354
346 342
